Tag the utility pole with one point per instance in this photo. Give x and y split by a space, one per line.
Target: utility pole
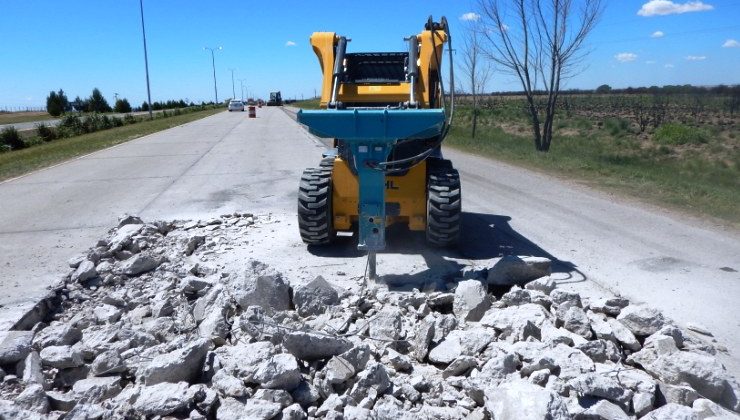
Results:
213 63
241 83
233 92
146 63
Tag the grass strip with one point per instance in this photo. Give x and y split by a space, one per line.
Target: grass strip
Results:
20 162
307 104
688 183
22 117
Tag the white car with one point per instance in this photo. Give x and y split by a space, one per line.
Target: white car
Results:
236 106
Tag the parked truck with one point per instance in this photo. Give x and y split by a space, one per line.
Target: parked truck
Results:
275 99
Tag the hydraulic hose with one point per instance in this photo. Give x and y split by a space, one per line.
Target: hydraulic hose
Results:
388 167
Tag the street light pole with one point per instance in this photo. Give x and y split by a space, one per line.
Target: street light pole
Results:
146 63
213 63
233 91
241 83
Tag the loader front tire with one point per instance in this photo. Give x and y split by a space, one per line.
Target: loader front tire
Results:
443 206
314 206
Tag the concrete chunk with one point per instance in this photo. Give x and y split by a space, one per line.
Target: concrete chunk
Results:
61 357
139 264
471 300
311 346
179 365
511 270
641 320
279 372
14 346
520 399
314 297
270 292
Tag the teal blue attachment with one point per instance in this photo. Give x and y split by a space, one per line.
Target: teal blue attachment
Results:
371 134
378 124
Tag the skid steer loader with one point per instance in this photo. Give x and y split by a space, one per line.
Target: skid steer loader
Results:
388 114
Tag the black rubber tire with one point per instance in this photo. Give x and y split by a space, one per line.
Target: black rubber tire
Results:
315 220
444 204
327 163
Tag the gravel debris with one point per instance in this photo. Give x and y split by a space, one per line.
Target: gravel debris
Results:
149 324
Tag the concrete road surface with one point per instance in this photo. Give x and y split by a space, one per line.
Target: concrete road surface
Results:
602 244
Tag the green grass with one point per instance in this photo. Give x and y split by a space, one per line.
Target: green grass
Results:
19 162
307 104
21 117
704 182
680 134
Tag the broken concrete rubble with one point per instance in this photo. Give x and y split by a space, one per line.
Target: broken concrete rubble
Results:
641 320
314 297
162 329
471 300
14 346
511 270
178 365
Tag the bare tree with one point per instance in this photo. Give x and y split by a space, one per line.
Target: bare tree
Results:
542 43
475 68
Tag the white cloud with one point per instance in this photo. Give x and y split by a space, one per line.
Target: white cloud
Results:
667 7
625 57
696 57
657 34
731 43
470 16
669 66
290 44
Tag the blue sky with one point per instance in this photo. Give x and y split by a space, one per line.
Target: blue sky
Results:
80 44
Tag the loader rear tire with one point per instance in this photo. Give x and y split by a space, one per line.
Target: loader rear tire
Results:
443 206
314 206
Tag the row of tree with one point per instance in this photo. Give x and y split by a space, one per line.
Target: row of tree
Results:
57 103
719 90
667 90
156 106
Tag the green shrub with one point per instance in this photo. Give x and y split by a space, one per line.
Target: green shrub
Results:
129 119
33 141
116 121
71 125
583 124
10 137
105 123
680 134
616 126
45 132
91 123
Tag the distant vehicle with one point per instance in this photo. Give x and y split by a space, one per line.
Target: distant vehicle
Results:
275 99
236 106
